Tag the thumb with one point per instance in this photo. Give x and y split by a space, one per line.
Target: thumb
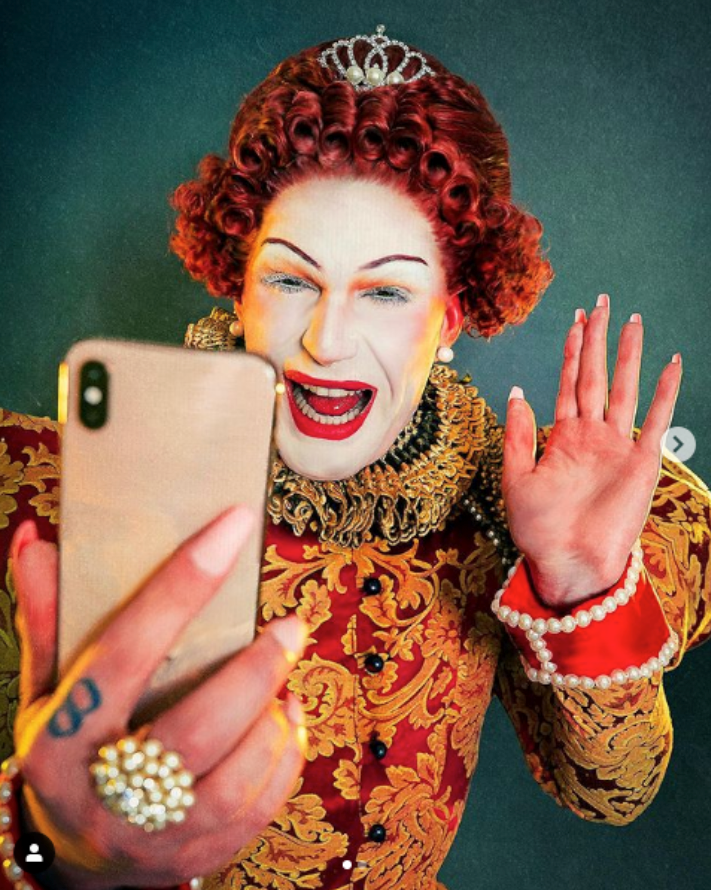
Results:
519 439
34 568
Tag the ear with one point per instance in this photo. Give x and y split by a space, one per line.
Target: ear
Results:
452 322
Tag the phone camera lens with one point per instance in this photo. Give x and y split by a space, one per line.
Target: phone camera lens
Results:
94 389
93 395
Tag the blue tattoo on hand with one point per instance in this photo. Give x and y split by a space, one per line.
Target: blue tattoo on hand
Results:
69 716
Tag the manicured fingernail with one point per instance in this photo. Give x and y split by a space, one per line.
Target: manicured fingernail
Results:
214 550
293 709
25 534
291 633
516 393
604 300
676 358
636 318
579 315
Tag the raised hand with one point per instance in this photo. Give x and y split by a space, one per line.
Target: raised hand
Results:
244 748
576 514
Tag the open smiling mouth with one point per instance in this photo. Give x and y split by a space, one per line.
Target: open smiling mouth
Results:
328 409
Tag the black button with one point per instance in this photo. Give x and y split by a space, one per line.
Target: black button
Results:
379 748
377 833
371 586
34 852
374 663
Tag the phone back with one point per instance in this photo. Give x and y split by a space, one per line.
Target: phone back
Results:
186 434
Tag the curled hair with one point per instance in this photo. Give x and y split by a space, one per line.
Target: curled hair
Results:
435 139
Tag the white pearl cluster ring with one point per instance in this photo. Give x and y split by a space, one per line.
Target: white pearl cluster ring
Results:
537 628
142 783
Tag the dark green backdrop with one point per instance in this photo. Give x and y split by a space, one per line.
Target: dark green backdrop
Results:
105 107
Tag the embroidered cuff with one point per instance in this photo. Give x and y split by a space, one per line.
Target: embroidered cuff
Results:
12 876
616 637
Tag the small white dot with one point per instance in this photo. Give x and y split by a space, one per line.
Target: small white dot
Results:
347 864
93 395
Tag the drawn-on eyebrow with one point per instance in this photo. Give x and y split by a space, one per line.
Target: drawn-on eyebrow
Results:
371 265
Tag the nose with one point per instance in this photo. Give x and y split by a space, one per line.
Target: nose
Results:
330 335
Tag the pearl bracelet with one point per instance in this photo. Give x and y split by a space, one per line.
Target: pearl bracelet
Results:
10 781
536 628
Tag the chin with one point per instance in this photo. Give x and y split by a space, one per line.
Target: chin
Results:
319 464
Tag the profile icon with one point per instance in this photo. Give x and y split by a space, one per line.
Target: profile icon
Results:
34 855
34 852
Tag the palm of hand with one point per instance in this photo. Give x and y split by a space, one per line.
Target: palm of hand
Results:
576 514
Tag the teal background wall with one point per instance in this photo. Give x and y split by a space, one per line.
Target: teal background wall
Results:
106 107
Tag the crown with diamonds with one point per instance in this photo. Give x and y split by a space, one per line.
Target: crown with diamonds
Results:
374 71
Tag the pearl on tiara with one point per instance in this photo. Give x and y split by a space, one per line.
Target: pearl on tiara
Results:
371 74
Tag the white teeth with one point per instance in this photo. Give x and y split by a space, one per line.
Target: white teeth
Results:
327 419
333 393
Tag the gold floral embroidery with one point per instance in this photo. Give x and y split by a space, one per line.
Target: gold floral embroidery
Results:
314 607
418 812
10 479
346 777
27 421
43 468
327 692
290 853
9 662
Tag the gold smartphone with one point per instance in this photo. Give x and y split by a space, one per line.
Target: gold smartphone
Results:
157 441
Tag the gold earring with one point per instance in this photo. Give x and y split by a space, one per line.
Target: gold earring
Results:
214 331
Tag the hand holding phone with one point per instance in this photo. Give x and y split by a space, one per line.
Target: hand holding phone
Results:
244 748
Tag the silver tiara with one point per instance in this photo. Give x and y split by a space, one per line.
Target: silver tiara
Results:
372 74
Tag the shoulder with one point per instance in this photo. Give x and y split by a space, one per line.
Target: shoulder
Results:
29 489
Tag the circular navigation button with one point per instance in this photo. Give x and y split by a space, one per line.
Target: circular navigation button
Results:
679 443
34 852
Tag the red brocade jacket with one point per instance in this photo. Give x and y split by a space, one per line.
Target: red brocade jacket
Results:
405 652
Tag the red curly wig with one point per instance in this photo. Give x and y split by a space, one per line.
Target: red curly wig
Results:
435 139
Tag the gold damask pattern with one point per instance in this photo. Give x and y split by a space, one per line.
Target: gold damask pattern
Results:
602 753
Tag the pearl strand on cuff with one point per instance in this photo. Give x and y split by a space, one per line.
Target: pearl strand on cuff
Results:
536 628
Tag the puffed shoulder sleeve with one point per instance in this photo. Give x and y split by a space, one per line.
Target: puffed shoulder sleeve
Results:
602 752
29 489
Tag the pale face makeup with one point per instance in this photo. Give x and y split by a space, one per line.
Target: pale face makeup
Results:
345 296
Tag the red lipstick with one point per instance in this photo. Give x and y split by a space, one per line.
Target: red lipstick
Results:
328 406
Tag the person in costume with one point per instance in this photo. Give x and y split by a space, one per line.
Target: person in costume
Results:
361 221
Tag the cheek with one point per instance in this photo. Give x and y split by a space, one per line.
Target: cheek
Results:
266 324
405 344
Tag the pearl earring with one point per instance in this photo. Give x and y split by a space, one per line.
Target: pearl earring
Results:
236 328
445 354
